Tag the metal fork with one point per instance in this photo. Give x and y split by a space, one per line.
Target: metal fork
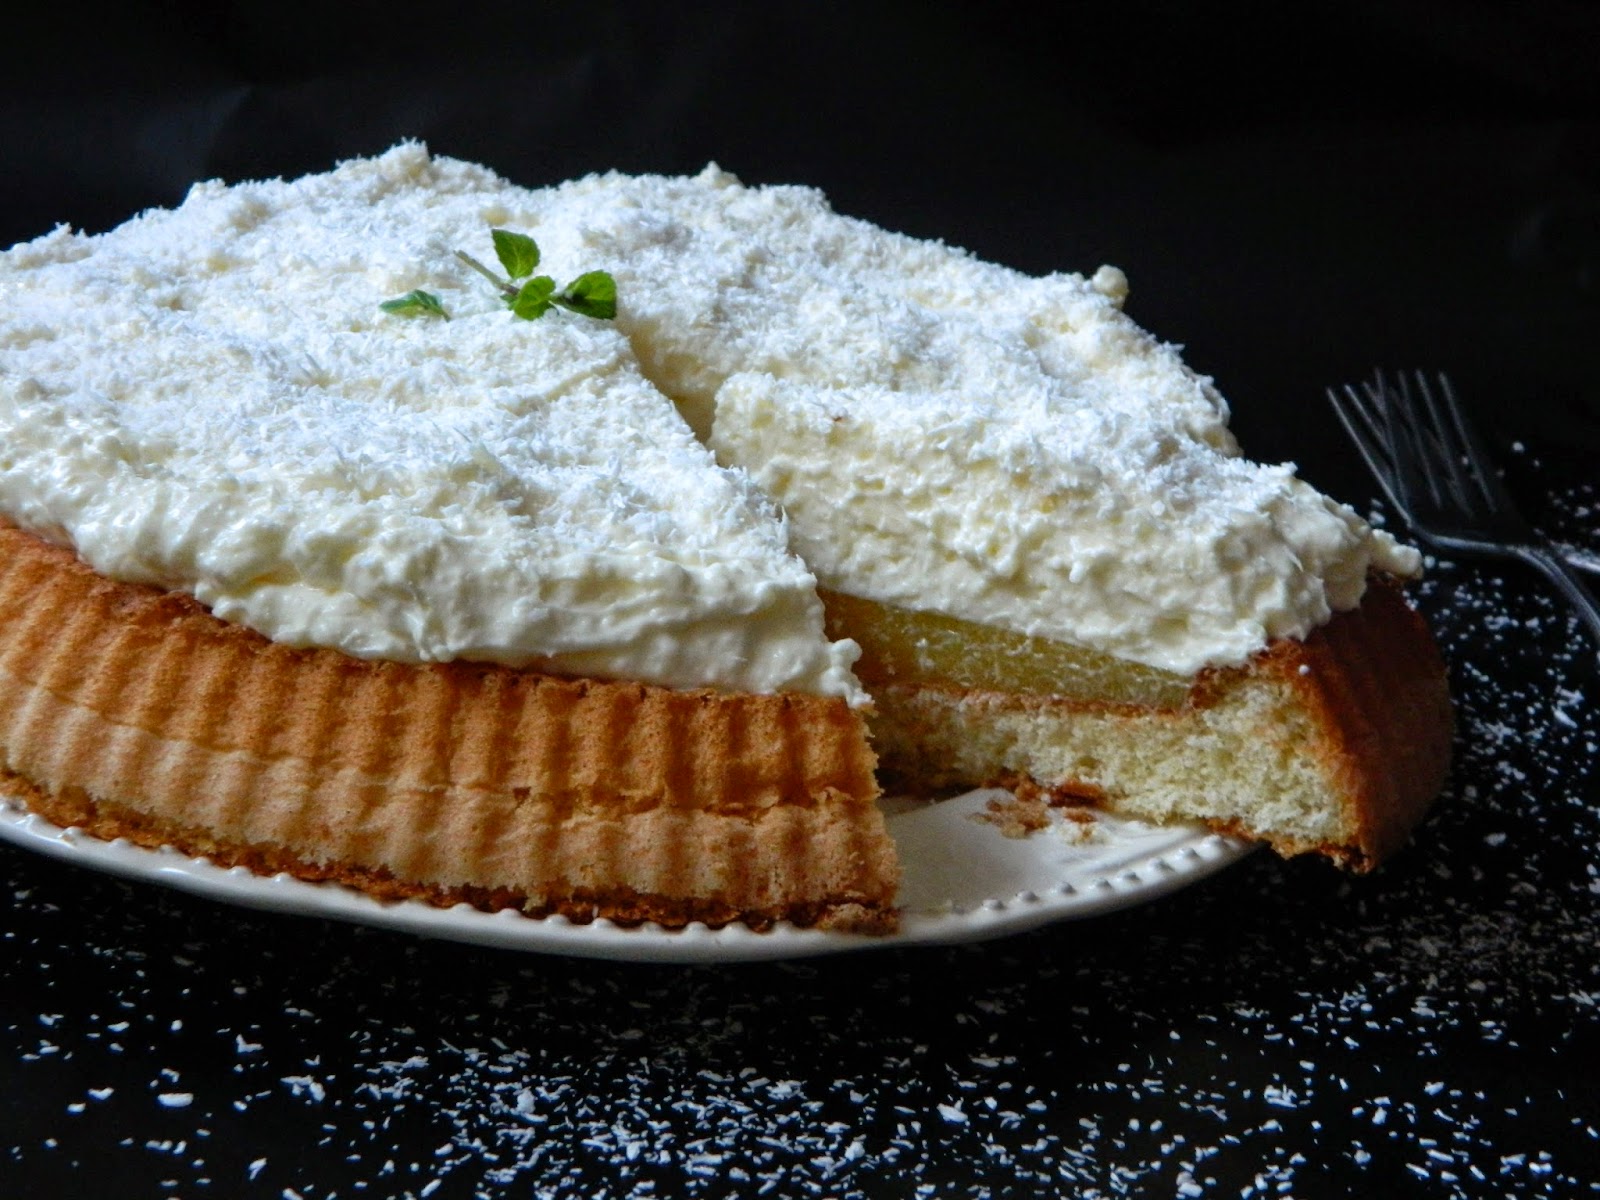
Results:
1434 469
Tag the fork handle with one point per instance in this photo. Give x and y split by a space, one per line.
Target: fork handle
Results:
1567 581
1582 560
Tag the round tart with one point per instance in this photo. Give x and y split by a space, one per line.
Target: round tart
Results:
314 557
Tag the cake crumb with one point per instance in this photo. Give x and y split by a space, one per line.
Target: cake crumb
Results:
1016 815
1080 826
1027 807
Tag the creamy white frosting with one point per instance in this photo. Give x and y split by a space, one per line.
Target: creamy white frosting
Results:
945 503
953 436
209 399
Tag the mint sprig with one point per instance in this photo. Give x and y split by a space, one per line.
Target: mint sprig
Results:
593 294
530 296
534 298
518 253
417 303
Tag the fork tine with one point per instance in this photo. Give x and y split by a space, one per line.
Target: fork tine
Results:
1452 453
1405 441
1381 412
1481 466
1377 406
1421 449
1369 441
1364 409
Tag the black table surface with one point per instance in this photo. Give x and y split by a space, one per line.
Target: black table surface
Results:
1411 184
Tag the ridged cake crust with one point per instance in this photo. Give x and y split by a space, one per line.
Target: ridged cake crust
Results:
1333 745
133 712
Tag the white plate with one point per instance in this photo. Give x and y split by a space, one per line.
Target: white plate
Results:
964 881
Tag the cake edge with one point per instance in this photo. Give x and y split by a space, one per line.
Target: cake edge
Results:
108 822
98 695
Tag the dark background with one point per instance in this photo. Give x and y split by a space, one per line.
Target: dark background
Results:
1296 199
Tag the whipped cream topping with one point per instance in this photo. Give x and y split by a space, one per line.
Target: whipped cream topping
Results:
953 436
210 400
938 501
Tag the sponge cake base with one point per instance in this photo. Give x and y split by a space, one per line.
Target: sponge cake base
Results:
132 712
1335 745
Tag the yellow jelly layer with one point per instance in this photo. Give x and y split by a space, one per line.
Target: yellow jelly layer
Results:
901 646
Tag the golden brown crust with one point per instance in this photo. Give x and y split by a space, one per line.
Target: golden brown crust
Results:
622 905
139 714
1376 684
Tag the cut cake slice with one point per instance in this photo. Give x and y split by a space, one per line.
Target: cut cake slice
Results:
1034 519
1333 740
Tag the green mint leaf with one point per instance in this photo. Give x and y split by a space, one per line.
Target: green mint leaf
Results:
533 298
593 294
417 303
518 253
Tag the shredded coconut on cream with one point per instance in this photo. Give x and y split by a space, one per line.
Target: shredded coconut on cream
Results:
209 399
952 436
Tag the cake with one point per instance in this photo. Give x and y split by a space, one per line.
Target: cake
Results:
595 617
1033 518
